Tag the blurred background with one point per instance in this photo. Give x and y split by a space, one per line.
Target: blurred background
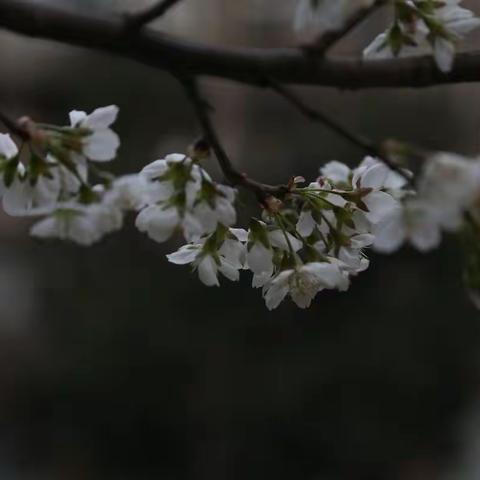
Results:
118 365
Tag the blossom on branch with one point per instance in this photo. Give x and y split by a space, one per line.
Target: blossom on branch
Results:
310 236
97 141
184 197
422 26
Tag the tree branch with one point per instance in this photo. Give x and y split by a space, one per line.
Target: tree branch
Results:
135 21
355 139
248 65
17 128
232 175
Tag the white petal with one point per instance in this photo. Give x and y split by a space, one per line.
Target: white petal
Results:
206 217
157 222
16 198
327 274
184 255
192 189
229 271
380 206
374 177
46 228
8 148
101 118
240 233
426 236
279 240
175 158
226 213
207 271
306 223
390 234
259 259
192 228
234 252
77 117
444 53
277 289
154 170
260 280
362 240
102 145
336 171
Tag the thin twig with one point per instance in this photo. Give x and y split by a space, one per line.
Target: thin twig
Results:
354 138
330 38
232 175
137 20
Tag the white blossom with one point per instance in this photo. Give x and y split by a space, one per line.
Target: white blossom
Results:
450 179
261 250
130 192
183 196
161 221
36 194
81 224
217 208
439 31
458 22
374 178
416 223
449 185
337 172
306 224
302 283
100 143
227 260
8 148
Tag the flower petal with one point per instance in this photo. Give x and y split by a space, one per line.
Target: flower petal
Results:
102 145
101 118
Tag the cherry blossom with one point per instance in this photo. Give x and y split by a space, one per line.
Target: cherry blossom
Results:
302 283
436 26
98 141
222 252
81 224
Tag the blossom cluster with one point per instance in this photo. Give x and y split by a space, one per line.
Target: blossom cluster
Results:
447 192
418 26
312 237
50 176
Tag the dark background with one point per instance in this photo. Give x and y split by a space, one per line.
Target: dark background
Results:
118 365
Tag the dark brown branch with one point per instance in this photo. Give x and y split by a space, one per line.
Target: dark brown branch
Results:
329 39
136 21
288 65
355 139
15 127
232 175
